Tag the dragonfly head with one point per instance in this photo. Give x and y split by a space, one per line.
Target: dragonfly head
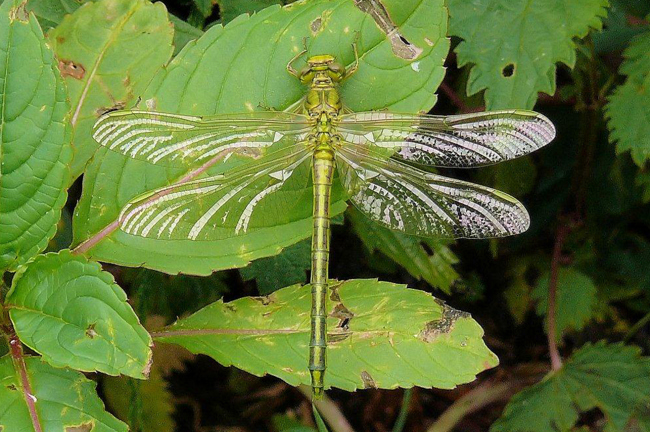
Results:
322 69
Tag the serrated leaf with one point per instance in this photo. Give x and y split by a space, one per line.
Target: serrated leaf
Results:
287 268
513 66
374 327
108 52
51 12
427 259
628 108
575 299
612 378
34 138
183 33
64 399
236 68
229 10
157 401
72 313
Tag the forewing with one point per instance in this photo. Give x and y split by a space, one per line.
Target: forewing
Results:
407 199
220 206
182 140
464 141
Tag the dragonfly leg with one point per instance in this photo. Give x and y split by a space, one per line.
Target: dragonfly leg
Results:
355 65
290 67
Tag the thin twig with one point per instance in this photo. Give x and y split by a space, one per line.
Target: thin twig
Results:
474 400
636 327
18 357
403 411
330 412
560 237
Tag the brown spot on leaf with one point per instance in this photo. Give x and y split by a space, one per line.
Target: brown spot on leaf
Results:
230 307
402 48
368 381
103 110
316 25
84 427
444 325
68 68
19 13
265 300
90 331
12 387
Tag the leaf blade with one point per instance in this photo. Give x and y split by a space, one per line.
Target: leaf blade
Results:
372 325
70 311
34 138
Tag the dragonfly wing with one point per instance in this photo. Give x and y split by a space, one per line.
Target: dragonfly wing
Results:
404 198
217 207
163 138
466 140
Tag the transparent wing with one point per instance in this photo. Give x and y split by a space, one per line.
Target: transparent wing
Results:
466 140
220 206
180 139
404 198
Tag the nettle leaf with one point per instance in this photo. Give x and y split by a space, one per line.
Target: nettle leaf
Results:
427 259
628 108
72 313
575 299
229 10
34 138
51 12
287 268
373 327
238 68
65 400
613 378
108 52
183 33
513 65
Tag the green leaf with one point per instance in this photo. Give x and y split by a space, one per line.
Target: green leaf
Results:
65 400
374 327
51 12
236 68
513 46
284 423
515 177
71 312
183 33
229 10
613 378
427 259
157 401
108 52
34 138
575 299
628 108
287 268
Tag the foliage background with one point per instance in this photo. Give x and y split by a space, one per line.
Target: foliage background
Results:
589 242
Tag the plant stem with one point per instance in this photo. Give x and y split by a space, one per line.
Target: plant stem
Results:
474 400
636 327
18 357
329 411
404 411
560 237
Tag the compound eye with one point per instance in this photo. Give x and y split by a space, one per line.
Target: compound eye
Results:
336 71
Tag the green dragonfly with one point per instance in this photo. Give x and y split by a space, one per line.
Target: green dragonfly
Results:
379 157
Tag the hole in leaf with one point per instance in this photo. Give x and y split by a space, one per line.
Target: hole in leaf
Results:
508 70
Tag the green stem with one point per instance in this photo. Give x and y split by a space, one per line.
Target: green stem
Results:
329 411
404 411
636 327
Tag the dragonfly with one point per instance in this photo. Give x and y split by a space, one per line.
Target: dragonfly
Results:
381 159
